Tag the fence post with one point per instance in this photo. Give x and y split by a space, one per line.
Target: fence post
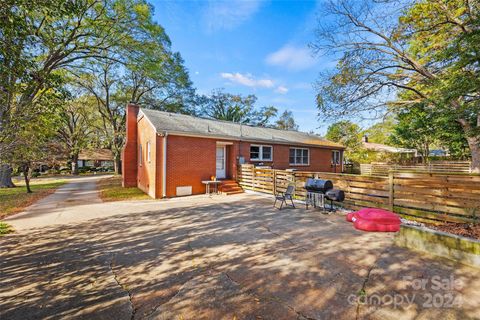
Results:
390 189
253 177
294 180
274 181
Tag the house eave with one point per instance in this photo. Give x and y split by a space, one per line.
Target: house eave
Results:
246 139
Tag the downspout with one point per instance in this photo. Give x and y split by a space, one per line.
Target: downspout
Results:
164 166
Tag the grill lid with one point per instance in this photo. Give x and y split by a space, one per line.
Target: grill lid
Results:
318 185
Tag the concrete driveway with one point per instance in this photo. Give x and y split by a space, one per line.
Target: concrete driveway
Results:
225 257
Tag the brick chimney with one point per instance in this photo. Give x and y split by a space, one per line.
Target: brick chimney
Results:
129 154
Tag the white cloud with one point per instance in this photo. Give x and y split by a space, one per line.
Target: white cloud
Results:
292 58
247 80
226 15
281 90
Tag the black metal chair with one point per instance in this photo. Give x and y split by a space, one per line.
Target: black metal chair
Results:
283 197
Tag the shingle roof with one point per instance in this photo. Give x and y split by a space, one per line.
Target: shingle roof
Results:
96 154
385 148
180 123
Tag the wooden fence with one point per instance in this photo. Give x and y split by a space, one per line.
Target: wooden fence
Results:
382 169
432 198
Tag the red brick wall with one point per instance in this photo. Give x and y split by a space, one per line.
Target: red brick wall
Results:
189 161
129 153
146 178
320 158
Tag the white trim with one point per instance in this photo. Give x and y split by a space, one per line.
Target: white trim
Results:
295 157
142 115
224 143
260 152
164 166
339 157
149 152
224 147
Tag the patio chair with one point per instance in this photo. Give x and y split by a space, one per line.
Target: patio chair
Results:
283 197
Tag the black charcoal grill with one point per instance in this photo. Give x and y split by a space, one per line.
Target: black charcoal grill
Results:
334 195
318 185
319 189
316 189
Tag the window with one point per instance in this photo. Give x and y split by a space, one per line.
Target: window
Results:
140 154
260 153
336 157
299 156
148 152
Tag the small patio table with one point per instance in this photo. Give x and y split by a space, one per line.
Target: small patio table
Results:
211 183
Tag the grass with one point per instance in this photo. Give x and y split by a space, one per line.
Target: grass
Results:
111 190
14 200
5 228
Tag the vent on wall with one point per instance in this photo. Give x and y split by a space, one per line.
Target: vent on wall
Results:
184 191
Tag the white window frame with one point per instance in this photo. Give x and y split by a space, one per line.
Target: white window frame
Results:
149 152
295 157
260 152
140 155
339 153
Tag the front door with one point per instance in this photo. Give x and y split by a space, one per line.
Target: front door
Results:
221 173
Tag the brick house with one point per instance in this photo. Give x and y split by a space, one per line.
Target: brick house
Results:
168 154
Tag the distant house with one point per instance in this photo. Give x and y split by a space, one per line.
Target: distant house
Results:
383 148
168 154
95 158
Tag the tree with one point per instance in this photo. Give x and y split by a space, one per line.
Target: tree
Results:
348 134
380 132
41 40
416 129
421 128
236 108
425 52
36 140
75 128
286 121
142 70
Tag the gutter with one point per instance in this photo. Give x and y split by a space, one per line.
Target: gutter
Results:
246 139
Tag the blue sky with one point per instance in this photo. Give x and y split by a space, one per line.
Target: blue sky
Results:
250 47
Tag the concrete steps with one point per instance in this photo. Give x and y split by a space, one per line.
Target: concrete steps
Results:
229 187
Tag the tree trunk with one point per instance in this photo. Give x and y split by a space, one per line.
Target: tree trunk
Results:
26 174
6 176
74 159
473 143
117 164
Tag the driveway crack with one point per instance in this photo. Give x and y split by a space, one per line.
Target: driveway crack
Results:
362 291
155 309
278 235
124 287
300 315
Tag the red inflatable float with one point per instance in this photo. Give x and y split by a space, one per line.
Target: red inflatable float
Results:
372 219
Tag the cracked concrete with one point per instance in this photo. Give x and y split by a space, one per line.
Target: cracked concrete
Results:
129 294
218 258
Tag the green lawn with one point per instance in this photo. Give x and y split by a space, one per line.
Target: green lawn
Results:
111 190
14 200
5 228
